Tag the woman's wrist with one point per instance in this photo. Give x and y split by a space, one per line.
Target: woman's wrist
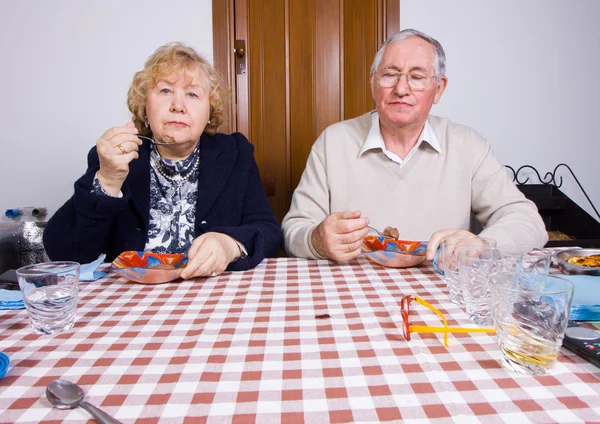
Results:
109 187
236 249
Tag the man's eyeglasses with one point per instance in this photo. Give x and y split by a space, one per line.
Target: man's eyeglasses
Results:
407 327
415 80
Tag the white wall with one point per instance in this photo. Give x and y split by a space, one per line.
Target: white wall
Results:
524 74
66 68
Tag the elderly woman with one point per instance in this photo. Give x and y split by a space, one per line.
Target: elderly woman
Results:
167 181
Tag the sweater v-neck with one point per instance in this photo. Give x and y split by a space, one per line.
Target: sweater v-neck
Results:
402 171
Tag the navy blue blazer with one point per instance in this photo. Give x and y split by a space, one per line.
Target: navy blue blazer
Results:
231 200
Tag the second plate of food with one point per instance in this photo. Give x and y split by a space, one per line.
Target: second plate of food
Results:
579 261
388 251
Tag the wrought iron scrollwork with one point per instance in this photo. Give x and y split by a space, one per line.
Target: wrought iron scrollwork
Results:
550 178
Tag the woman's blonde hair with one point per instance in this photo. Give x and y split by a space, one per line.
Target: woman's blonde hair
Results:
179 59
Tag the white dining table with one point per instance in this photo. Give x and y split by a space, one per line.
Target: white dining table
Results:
292 340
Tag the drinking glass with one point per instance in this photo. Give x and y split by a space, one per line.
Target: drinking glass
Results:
50 292
531 259
475 266
531 313
450 263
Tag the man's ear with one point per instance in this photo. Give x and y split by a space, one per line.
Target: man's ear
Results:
439 89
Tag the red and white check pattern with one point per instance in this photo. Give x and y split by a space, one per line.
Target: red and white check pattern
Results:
248 346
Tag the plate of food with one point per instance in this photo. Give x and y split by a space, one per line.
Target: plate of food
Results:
149 267
579 261
389 250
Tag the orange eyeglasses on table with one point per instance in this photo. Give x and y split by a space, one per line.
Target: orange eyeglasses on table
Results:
407 328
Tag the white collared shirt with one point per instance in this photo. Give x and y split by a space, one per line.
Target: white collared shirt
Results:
375 140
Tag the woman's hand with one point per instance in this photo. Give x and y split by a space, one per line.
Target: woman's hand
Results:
210 254
116 148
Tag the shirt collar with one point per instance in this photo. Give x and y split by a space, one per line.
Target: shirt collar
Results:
374 139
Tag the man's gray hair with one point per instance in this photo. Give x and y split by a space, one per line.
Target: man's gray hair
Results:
439 57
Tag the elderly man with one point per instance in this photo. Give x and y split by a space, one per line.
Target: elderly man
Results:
399 166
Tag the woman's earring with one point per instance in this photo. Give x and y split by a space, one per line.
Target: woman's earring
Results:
147 125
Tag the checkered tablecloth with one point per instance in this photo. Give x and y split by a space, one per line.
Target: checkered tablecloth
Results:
248 346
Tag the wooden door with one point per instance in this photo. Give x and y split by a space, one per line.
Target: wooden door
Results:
306 67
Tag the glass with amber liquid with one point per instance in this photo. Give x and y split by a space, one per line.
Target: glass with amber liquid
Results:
531 313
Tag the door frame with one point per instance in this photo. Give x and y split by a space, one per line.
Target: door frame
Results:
223 42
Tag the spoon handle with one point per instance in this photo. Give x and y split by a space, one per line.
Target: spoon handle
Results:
376 230
151 140
99 414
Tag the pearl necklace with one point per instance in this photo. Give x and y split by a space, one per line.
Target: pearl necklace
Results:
177 179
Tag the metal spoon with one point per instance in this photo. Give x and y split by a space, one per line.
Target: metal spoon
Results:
377 231
158 143
65 394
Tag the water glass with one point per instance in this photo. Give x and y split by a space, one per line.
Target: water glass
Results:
531 313
50 292
531 259
449 262
475 266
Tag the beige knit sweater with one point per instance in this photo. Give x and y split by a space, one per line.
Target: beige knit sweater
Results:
433 191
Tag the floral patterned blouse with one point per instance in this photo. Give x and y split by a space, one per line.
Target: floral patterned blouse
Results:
173 193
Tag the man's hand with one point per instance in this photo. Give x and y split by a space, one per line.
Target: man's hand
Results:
437 238
340 235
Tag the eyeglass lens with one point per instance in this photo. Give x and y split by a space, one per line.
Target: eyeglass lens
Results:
416 81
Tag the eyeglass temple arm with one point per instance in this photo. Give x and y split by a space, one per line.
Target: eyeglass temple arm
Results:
446 330
428 329
438 313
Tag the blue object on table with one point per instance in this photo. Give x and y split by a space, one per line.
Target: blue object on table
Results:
88 272
586 298
435 261
4 361
12 213
11 299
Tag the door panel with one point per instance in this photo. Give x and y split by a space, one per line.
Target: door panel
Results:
302 84
307 67
268 81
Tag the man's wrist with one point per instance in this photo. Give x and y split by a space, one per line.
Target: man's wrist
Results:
316 242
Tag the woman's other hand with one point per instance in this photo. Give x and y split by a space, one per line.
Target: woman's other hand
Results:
210 254
116 148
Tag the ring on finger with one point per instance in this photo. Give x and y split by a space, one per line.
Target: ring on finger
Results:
122 149
213 274
350 247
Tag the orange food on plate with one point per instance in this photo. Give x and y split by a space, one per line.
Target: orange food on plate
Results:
406 247
592 261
